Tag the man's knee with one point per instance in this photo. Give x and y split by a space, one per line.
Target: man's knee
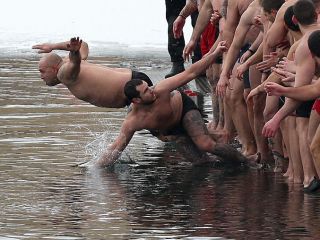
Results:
235 99
310 139
314 147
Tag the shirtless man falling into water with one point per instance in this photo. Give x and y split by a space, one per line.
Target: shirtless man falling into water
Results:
163 110
96 84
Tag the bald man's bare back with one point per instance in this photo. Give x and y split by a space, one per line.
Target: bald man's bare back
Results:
99 85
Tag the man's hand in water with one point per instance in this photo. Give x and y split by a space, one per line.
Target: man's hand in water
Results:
74 45
107 159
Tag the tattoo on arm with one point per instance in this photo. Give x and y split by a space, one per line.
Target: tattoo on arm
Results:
188 9
224 9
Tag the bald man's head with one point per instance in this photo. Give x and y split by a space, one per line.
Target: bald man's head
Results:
51 59
49 67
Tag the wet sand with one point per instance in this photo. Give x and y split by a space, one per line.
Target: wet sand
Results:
45 131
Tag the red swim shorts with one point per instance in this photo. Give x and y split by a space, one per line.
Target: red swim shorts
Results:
316 106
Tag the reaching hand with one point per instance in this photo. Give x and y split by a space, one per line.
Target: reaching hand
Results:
241 69
178 25
215 17
274 89
43 48
245 56
284 75
74 45
222 85
187 51
287 65
270 128
221 47
253 93
269 61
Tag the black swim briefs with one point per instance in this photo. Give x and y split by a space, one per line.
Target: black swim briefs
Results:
141 76
187 105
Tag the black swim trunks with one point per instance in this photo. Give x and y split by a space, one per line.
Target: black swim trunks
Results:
141 76
304 110
187 105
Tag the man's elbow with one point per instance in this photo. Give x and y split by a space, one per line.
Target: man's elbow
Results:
84 51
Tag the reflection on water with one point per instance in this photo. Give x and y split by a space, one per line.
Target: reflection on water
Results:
45 132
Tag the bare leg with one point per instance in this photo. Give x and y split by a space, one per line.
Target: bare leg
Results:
239 115
228 123
313 138
221 123
315 149
294 151
249 108
271 107
212 74
259 102
197 131
306 158
285 138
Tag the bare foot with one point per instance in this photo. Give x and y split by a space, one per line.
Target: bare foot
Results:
281 164
297 180
250 150
290 178
254 158
289 172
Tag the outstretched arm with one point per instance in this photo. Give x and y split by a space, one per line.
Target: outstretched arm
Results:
303 93
114 151
172 83
48 47
70 70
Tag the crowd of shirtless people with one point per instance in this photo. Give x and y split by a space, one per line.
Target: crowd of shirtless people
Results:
263 70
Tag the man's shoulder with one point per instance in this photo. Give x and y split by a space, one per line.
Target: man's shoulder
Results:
302 53
285 6
61 71
133 120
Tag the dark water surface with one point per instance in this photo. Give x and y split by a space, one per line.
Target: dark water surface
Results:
45 132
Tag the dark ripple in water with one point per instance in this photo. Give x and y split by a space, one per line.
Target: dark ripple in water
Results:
45 131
